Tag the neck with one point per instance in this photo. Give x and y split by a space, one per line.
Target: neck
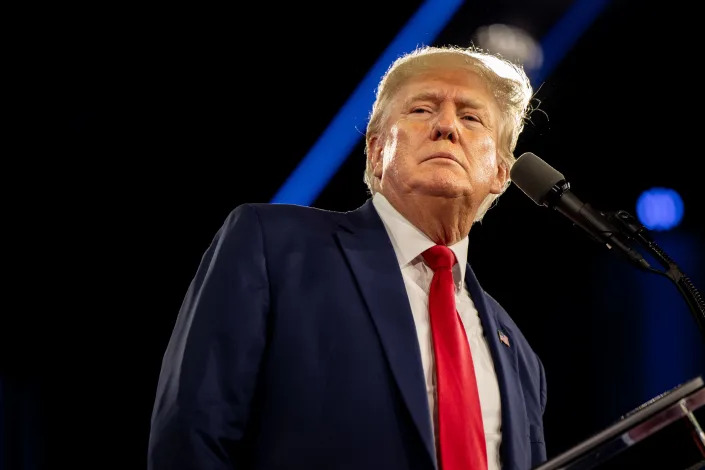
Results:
444 220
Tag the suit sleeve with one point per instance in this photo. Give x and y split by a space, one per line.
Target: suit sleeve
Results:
536 433
544 392
210 368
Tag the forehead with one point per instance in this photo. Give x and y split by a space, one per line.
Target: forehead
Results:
460 84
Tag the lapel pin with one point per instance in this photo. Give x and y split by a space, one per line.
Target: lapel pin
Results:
503 337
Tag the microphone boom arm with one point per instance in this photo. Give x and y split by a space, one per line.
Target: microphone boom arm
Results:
631 228
594 222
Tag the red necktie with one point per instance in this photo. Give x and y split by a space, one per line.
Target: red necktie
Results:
461 435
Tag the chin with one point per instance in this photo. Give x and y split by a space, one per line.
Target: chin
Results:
449 189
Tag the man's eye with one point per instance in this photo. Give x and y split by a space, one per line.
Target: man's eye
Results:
420 110
470 117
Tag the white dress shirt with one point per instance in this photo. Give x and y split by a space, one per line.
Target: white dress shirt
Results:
409 243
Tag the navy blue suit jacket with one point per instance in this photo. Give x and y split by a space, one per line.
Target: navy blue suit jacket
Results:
295 348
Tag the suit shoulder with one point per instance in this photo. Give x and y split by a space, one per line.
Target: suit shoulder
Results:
289 216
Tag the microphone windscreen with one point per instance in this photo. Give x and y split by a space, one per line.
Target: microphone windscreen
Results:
534 176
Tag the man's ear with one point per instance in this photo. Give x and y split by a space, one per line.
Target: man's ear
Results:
374 155
500 181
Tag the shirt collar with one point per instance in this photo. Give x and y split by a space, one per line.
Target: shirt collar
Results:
408 241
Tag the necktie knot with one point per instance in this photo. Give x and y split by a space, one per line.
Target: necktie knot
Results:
439 257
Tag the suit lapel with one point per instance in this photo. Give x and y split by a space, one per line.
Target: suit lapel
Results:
514 447
371 257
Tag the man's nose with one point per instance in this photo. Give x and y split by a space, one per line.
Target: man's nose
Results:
445 127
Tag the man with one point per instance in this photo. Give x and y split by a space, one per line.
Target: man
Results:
311 339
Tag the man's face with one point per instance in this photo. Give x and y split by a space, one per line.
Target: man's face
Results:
440 138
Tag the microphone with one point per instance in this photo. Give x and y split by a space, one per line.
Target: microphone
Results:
547 187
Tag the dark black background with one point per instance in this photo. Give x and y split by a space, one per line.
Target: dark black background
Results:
139 128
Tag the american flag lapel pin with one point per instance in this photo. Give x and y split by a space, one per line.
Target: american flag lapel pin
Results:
503 337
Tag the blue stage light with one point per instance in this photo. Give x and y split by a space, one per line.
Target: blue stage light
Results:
659 209
347 128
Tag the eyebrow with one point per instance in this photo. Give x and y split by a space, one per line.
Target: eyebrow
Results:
436 97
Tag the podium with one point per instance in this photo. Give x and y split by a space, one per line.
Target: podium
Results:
667 432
